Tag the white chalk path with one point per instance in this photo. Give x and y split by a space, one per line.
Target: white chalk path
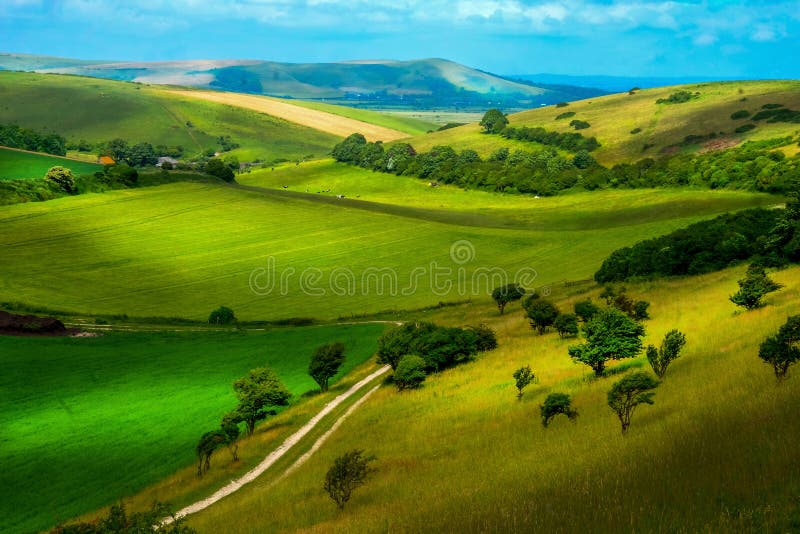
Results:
284 447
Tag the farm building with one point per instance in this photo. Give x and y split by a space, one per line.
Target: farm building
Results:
106 160
166 159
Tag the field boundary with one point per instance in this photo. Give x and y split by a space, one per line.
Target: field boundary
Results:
284 447
76 160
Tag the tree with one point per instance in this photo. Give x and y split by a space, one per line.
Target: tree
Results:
325 363
62 177
554 404
753 287
123 174
782 350
628 393
494 121
216 167
350 150
258 392
117 149
586 309
663 356
486 339
583 160
209 442
119 521
566 324
524 377
410 372
508 293
347 473
222 315
541 312
439 346
610 335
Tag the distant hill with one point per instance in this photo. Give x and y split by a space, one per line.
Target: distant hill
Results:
612 84
386 84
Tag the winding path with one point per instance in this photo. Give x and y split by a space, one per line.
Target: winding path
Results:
284 447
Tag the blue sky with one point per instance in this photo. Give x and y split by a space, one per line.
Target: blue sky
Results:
751 39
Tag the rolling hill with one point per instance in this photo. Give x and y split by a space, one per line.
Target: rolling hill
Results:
386 84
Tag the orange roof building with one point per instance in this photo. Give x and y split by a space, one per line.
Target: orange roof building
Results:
106 160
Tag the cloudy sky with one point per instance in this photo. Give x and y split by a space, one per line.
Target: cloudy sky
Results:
720 38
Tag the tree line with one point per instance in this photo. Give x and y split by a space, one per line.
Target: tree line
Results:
13 136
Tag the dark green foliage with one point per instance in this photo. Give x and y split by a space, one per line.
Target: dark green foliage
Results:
226 143
258 393
120 174
494 121
568 141
13 136
208 444
741 114
583 160
636 131
555 404
579 124
586 309
347 473
566 324
640 312
679 97
702 247
630 392
670 349
118 521
325 363
523 377
349 150
439 346
565 115
745 128
610 335
485 337
541 312
778 115
753 287
771 106
508 293
783 349
222 315
216 167
410 372
450 125
62 178
783 240
562 104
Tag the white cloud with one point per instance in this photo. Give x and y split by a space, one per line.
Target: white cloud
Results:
705 39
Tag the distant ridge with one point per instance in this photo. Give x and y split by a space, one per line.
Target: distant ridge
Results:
370 83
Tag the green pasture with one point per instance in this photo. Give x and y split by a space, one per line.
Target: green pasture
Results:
180 250
85 421
19 165
715 453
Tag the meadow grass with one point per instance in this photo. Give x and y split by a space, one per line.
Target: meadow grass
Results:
85 421
100 110
613 117
181 250
15 164
715 453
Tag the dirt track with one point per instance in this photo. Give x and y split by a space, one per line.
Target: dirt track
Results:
319 120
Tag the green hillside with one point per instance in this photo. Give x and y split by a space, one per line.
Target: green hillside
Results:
182 249
107 416
664 127
15 164
714 453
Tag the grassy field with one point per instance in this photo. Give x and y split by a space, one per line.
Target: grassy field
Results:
15 164
100 110
614 117
396 121
714 454
106 416
184 249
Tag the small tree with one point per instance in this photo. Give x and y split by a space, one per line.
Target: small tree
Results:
494 121
753 287
541 312
508 293
61 177
259 392
410 372
630 392
586 309
783 349
554 404
216 167
663 356
222 315
566 325
610 335
486 339
347 473
325 363
524 377
119 521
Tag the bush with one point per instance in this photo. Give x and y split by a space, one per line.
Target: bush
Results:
216 167
566 324
579 124
347 473
565 115
222 315
523 377
562 104
745 128
541 312
486 339
668 352
782 350
630 392
555 404
636 131
62 178
741 114
753 287
119 521
410 372
679 97
439 346
586 309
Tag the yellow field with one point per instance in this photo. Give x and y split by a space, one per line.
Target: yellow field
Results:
319 120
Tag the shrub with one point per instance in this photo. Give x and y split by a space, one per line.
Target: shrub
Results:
630 392
347 473
782 350
562 104
119 521
555 404
486 339
410 372
502 295
541 312
523 377
579 124
753 287
585 309
216 167
222 315
636 131
745 128
565 115
566 324
741 114
679 97
62 178
668 352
